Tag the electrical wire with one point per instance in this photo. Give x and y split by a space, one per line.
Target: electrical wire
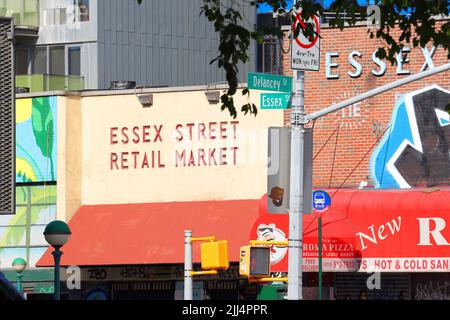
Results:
334 156
360 161
385 157
324 145
340 187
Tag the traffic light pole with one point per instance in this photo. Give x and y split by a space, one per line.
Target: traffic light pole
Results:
295 259
377 91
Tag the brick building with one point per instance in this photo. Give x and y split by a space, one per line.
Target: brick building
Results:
344 139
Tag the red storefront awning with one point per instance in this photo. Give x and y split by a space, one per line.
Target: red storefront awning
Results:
152 233
364 230
370 230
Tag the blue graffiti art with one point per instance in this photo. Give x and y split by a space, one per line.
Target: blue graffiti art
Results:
415 150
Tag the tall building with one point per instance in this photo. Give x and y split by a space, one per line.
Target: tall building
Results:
86 44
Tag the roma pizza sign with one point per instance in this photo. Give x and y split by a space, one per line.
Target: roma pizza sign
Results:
305 51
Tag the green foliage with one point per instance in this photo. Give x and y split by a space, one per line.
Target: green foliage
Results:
416 20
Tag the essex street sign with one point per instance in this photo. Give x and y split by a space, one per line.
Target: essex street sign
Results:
275 100
269 82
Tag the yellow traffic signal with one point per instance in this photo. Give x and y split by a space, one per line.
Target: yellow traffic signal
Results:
254 261
214 255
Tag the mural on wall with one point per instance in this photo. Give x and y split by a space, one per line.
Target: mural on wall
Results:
21 234
36 139
415 150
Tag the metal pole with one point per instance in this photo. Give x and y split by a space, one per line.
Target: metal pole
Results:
320 254
19 282
188 283
378 90
296 194
295 260
57 255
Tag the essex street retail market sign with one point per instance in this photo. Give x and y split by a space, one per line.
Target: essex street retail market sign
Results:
140 147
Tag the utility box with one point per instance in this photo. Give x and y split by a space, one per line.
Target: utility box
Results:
254 261
272 292
214 255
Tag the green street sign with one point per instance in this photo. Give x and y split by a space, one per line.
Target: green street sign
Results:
269 82
275 101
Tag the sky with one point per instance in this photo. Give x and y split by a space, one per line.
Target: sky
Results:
326 3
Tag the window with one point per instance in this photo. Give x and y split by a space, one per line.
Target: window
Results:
74 61
270 56
83 5
80 11
55 16
40 60
21 235
21 61
76 12
53 60
56 60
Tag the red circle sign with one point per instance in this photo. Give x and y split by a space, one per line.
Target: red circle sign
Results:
298 19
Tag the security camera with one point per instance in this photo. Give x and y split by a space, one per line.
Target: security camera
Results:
146 100
213 96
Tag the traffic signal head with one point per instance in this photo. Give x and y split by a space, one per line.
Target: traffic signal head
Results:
254 261
214 255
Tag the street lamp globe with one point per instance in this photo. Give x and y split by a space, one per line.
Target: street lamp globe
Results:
19 264
57 233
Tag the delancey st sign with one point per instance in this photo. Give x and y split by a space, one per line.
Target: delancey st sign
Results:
269 82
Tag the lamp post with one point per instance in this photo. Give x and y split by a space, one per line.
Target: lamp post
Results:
19 265
57 233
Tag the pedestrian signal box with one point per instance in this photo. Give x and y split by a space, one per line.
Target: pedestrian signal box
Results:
214 255
254 261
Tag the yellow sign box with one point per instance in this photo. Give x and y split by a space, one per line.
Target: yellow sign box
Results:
254 261
214 255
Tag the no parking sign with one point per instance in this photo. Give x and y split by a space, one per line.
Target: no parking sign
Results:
305 52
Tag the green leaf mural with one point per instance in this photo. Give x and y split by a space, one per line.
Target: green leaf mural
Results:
43 129
13 235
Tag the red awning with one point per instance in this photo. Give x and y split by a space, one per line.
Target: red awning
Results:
152 233
369 231
364 230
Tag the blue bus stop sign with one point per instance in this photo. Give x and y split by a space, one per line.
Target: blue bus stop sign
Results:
321 201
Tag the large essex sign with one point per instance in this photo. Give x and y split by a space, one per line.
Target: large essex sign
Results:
370 231
356 60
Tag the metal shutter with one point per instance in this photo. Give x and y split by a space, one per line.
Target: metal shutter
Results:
7 118
391 284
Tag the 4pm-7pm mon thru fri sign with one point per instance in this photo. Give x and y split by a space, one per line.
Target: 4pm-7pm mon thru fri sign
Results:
269 82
